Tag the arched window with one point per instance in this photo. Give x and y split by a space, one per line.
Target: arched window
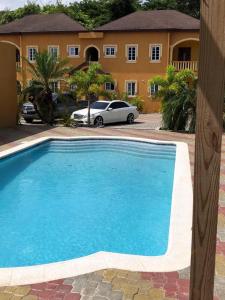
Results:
17 55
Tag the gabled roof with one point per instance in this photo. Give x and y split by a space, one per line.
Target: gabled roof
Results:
158 20
42 23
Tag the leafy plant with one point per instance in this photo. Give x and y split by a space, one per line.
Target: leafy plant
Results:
89 83
44 71
67 121
136 101
178 94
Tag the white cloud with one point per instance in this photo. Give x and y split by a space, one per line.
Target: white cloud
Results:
12 4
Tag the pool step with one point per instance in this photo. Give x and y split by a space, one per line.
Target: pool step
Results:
132 148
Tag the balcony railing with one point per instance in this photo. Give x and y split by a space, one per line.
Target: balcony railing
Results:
18 66
182 65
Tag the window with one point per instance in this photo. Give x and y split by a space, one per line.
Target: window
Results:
110 51
53 50
131 53
131 88
153 89
99 105
73 50
118 104
73 87
110 86
31 53
155 53
122 105
54 86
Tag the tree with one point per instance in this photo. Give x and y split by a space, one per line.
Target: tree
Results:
160 4
89 83
93 13
190 7
46 70
96 10
120 8
178 93
28 9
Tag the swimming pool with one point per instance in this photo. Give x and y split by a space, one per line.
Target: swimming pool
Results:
67 200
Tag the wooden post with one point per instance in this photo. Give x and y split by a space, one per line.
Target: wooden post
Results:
208 148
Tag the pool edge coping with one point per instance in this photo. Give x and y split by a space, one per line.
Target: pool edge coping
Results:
178 253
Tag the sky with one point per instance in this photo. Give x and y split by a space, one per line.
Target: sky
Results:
12 4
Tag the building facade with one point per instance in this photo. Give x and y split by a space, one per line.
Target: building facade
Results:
133 49
8 98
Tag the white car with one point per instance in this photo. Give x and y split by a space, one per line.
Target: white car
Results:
103 112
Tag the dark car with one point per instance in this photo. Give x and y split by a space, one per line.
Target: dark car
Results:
64 104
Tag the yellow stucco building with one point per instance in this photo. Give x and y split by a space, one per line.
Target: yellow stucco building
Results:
133 49
8 97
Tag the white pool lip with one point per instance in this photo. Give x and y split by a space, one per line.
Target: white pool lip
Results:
178 253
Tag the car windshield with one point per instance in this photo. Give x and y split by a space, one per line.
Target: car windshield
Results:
99 105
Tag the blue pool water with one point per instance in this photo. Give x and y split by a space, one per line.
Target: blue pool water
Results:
67 199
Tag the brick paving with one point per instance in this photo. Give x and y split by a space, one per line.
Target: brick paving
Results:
118 284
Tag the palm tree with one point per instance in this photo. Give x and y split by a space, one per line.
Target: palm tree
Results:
46 70
89 83
178 94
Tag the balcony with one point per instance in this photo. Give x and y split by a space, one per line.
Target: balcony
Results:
18 66
185 65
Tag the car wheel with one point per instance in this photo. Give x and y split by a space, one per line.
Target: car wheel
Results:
98 121
28 120
130 119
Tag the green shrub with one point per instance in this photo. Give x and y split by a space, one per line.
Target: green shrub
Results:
67 121
137 101
178 94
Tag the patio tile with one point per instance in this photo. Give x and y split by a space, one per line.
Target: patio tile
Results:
220 265
9 289
30 297
72 297
108 275
5 296
22 290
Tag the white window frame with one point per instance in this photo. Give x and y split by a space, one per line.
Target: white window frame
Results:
127 52
110 55
151 46
126 87
28 48
53 46
58 85
73 87
110 90
73 46
150 89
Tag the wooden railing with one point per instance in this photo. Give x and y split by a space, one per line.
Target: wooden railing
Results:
182 65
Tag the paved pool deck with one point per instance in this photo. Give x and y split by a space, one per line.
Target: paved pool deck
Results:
118 284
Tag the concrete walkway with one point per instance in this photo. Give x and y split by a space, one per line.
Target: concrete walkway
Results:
118 284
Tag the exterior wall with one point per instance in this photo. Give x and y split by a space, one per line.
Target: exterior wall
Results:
194 49
176 37
8 97
141 71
